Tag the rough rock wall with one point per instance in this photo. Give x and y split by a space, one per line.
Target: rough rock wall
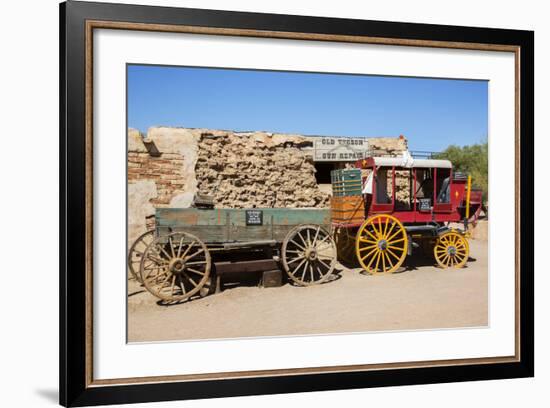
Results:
388 145
258 170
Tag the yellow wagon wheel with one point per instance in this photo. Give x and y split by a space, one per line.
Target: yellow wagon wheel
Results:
381 244
451 250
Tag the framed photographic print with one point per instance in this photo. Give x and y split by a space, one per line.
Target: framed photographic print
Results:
256 203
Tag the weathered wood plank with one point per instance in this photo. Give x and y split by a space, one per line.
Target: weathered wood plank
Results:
211 225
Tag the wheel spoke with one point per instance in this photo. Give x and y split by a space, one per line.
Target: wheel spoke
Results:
302 239
396 241
304 272
295 259
180 245
392 254
173 284
172 246
308 237
196 263
375 256
200 251
298 245
375 249
386 227
377 261
383 261
164 251
188 249
321 261
322 241
298 267
367 240
378 227
389 260
316 235
367 247
311 272
183 291
393 224
319 271
195 284
394 234
371 234
156 259
195 271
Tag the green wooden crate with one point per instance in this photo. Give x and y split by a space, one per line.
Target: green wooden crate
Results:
346 182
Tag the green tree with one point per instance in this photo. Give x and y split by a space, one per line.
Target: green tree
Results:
472 160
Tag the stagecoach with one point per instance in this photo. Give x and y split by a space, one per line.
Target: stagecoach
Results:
386 206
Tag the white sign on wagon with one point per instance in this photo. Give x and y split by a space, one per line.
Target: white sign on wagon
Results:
339 148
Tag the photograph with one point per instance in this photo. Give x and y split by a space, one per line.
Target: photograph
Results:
265 203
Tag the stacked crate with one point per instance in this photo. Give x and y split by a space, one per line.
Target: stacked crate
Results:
347 205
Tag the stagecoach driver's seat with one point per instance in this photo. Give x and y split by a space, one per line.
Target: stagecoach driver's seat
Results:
444 194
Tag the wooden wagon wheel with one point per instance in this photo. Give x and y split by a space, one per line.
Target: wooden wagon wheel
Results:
175 267
381 244
135 254
309 254
451 250
345 245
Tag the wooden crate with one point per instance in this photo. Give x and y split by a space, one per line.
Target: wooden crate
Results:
347 209
346 182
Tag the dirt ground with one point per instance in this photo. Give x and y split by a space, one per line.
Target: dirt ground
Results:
419 297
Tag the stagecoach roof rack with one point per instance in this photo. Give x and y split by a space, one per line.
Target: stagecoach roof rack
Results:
416 154
405 160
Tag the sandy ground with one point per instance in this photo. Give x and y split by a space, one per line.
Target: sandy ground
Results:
420 297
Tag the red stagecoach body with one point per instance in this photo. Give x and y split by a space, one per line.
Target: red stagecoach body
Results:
436 194
422 197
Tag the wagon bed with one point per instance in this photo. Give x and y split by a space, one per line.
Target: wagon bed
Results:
238 226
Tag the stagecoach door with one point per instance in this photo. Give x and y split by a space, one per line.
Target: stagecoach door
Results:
383 189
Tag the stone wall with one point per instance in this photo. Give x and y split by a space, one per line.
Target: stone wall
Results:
258 170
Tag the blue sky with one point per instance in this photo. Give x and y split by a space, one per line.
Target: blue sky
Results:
431 113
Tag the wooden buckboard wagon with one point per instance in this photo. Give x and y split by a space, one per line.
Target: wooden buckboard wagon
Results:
191 247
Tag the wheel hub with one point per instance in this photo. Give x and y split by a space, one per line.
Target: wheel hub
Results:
382 244
451 250
311 254
177 265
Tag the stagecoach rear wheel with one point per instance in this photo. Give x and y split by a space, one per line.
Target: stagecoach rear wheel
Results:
308 255
176 267
135 254
451 250
381 244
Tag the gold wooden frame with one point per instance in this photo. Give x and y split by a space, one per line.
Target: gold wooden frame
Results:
98 24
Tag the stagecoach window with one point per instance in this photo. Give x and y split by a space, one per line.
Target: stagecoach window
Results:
384 185
425 183
443 186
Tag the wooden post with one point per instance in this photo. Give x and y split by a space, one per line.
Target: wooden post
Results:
469 188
